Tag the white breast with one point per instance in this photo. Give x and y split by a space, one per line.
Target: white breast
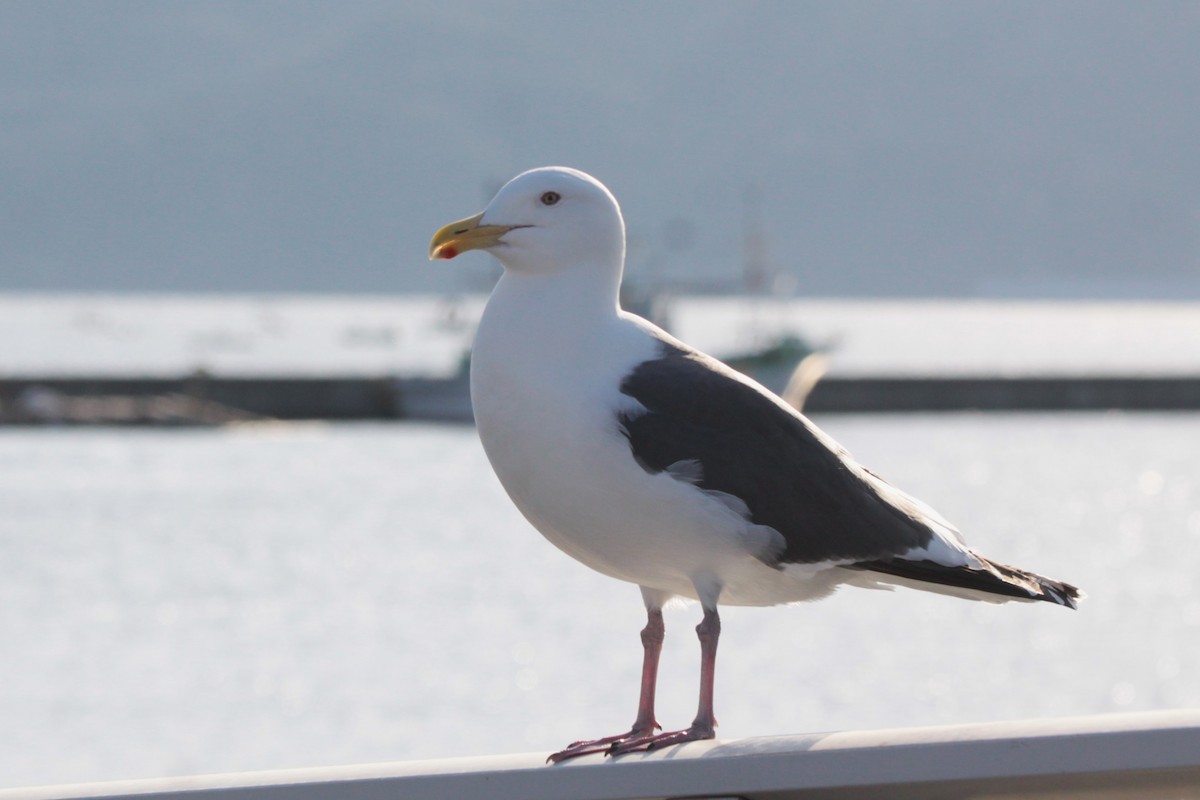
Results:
546 406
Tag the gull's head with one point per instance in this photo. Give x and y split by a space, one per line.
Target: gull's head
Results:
542 221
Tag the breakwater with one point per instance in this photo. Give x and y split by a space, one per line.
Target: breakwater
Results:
206 399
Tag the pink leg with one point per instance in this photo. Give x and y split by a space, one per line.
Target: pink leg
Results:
645 724
652 642
704 726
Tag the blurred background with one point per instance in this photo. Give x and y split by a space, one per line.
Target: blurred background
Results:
915 149
214 216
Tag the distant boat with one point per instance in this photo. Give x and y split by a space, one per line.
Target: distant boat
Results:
790 366
435 399
45 405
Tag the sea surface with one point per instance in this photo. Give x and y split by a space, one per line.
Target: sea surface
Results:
192 601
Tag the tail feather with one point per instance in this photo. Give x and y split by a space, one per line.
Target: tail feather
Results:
998 579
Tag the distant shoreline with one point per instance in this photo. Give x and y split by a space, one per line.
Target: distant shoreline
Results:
208 400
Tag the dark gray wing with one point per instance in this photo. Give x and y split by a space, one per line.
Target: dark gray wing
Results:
790 476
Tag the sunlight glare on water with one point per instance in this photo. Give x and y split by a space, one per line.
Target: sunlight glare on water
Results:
188 601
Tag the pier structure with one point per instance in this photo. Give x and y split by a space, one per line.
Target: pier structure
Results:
1144 756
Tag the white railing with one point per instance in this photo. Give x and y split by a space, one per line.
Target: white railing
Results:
1142 756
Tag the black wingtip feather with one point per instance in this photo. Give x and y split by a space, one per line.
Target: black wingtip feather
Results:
998 579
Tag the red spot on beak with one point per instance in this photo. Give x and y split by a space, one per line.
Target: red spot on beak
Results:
447 252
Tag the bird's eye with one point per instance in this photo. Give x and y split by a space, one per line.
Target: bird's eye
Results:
550 198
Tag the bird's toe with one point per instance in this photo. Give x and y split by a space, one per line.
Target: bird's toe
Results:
601 745
653 741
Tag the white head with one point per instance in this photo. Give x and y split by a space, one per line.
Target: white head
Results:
543 221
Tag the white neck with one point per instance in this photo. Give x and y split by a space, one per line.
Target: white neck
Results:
533 323
561 303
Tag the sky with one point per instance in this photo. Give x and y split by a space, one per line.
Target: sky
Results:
899 149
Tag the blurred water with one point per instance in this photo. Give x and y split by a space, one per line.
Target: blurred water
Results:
185 601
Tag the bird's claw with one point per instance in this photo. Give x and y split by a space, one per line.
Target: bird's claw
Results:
653 741
635 741
603 745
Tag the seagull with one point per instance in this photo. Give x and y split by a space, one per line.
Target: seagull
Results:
658 465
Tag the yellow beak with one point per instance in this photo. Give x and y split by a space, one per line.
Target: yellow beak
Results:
466 234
